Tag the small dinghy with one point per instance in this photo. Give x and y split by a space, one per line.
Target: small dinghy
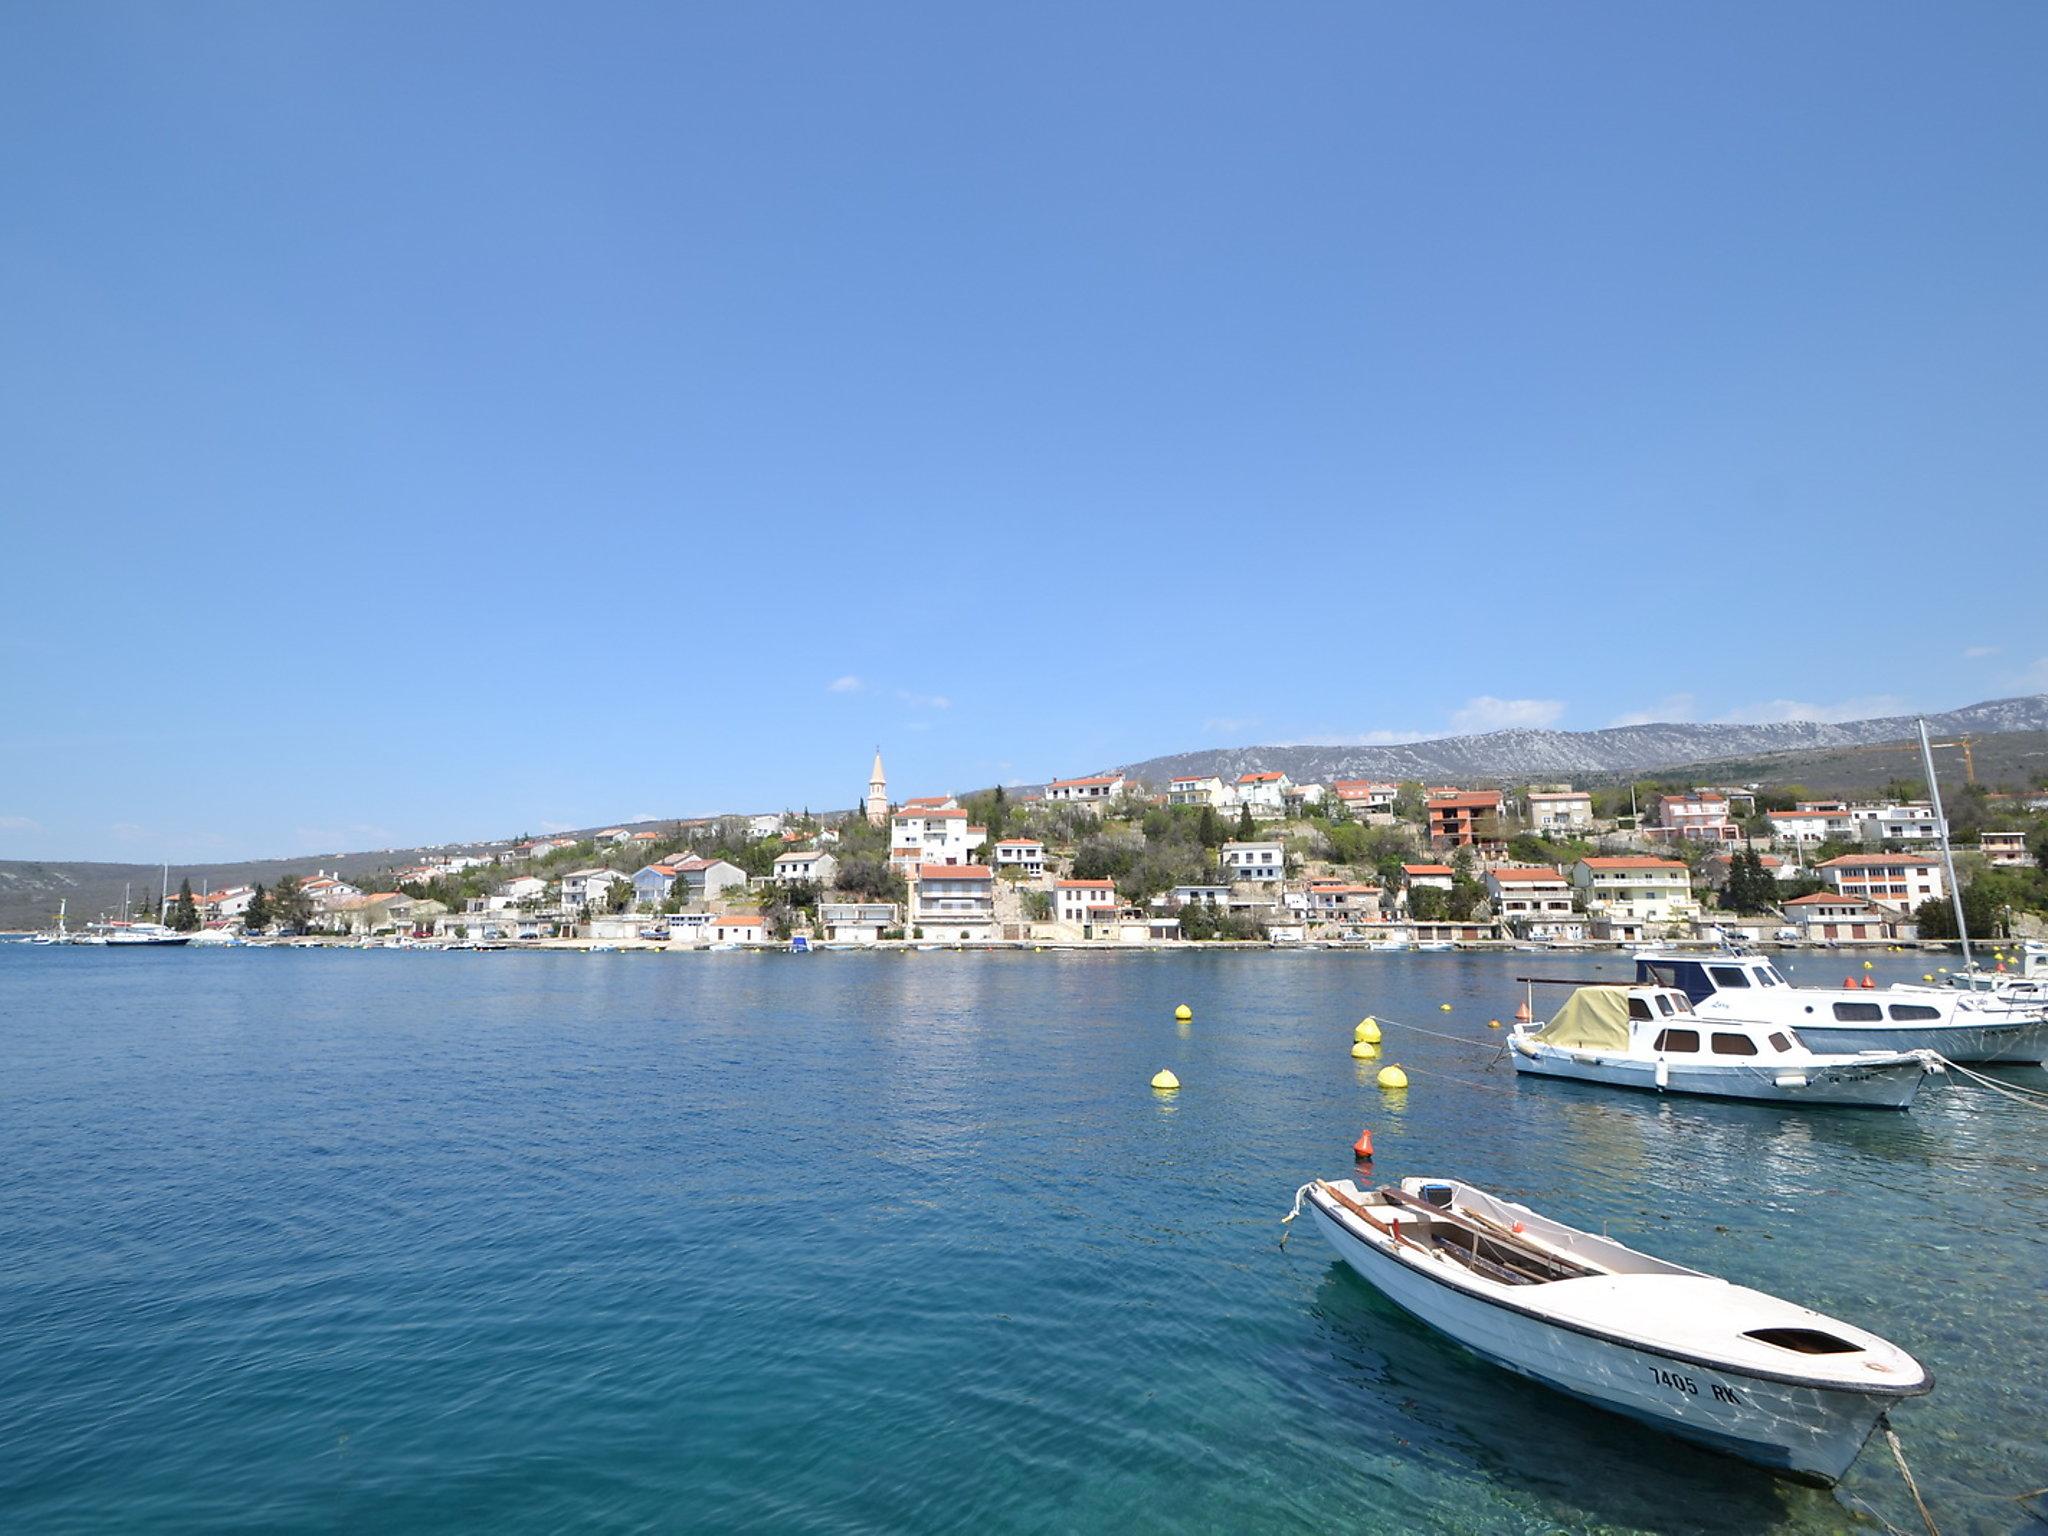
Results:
1727 1367
1649 1037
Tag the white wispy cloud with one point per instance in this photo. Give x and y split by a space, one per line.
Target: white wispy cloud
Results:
924 700
847 684
2035 676
20 824
1672 708
1229 725
1979 652
1486 713
1779 711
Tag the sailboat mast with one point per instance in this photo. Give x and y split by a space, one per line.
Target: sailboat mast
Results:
1948 856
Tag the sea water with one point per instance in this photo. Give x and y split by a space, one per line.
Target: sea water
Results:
409 1241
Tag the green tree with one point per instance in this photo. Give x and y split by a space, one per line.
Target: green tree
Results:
1429 903
1246 828
184 910
257 918
1209 828
290 907
2039 843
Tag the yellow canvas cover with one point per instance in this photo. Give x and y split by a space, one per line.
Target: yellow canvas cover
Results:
1592 1019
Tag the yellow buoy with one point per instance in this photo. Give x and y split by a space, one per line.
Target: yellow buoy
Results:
1493 1023
1183 1013
1365 1050
1165 1081
1866 965
1393 1077
1368 1029
1445 1007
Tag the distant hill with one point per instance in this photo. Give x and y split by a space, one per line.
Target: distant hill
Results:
1523 756
2012 757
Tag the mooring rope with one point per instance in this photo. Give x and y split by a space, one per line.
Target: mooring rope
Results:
1891 1438
2031 1098
1484 1045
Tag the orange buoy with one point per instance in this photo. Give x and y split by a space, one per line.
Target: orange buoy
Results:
1522 1014
1362 1147
1849 982
1870 983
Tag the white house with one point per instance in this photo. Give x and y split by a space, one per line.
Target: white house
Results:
1630 891
1900 880
1824 916
1534 903
1094 790
1365 797
1026 854
613 835
931 803
1339 901
737 928
1196 789
705 879
1183 895
764 826
1086 904
523 888
805 864
1813 825
1909 822
856 922
1265 793
653 883
1559 810
1697 816
933 835
1430 876
954 901
2004 849
1254 861
590 887
1296 798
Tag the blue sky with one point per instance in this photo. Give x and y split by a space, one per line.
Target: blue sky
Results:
436 421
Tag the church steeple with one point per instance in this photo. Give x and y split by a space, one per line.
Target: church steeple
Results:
878 792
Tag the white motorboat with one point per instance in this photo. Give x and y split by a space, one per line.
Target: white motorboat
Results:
1731 1368
1963 1026
124 935
1650 1038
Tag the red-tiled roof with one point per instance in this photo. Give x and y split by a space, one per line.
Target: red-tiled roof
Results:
1427 869
1867 860
954 872
1259 778
1100 778
1465 800
1512 876
1085 885
929 814
1631 861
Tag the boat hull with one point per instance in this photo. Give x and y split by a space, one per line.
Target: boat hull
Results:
1806 1432
2016 1043
1886 1085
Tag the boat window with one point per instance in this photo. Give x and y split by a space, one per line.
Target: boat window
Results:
1688 976
1638 1008
1779 1042
1730 976
1682 1003
1678 1040
1806 1341
1664 1005
1726 1044
1767 977
1914 1011
1858 1013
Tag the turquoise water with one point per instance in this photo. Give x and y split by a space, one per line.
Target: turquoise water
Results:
406 1241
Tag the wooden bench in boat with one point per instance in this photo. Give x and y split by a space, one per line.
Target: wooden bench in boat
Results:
1472 1241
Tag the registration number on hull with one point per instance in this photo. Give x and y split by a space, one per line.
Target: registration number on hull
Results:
1678 1382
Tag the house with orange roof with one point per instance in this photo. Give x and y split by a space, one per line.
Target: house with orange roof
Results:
1898 880
954 902
1827 916
933 835
1365 798
1089 905
1264 792
1026 855
1341 901
1630 895
1465 819
1695 816
1095 790
1534 902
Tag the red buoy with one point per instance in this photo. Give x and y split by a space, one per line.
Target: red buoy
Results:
1522 1012
1849 982
1363 1146
1870 983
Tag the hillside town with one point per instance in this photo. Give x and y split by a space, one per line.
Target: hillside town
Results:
1101 860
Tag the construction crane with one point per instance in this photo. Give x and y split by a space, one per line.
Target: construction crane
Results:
1961 743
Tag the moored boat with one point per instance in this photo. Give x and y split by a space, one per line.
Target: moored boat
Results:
1718 1364
1650 1038
1973 1027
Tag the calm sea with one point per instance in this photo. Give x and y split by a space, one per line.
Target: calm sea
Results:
392 1242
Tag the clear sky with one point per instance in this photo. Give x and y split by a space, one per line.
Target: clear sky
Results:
437 421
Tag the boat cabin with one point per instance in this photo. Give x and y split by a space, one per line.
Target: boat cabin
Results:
1700 977
1658 1021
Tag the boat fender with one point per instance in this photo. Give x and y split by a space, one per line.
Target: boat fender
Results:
1362 1148
1663 1073
1790 1079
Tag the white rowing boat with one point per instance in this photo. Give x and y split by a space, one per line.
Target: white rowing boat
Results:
1721 1365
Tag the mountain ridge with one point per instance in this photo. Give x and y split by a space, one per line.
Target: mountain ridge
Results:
1524 755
